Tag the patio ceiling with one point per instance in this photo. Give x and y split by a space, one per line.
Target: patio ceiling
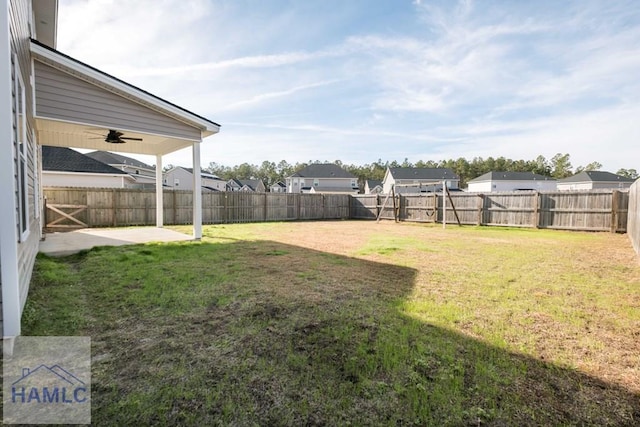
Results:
76 106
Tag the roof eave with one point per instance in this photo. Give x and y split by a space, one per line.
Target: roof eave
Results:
93 75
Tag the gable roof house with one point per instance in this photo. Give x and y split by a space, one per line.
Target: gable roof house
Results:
511 181
144 174
418 180
372 186
64 167
322 178
49 98
181 178
593 180
278 187
250 185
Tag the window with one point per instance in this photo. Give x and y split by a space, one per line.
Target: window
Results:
316 182
20 148
354 183
302 183
176 182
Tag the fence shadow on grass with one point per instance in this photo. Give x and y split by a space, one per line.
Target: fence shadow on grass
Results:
274 334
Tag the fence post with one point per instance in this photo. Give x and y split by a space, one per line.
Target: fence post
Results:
265 207
480 207
114 207
615 198
536 209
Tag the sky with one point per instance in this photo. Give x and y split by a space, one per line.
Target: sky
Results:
358 81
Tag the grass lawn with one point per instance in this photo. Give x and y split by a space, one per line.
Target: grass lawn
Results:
354 323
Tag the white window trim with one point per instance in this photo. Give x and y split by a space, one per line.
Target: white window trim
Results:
36 175
20 146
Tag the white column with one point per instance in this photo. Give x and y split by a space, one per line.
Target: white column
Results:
9 273
197 193
159 192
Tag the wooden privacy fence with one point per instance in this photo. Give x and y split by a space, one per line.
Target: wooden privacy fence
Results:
112 207
596 210
633 225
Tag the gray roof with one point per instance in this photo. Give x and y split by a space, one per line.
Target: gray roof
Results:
251 183
62 159
279 184
512 176
117 159
423 173
372 183
596 176
323 170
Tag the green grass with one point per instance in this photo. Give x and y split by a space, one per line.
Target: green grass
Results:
337 323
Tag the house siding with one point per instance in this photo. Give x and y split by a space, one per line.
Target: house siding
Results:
27 248
511 185
61 96
79 179
593 185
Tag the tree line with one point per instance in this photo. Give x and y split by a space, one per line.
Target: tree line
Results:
559 166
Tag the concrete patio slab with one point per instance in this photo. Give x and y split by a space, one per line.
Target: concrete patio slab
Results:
61 244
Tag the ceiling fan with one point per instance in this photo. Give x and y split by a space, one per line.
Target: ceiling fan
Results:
116 137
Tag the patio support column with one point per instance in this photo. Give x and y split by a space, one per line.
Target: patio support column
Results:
197 193
159 194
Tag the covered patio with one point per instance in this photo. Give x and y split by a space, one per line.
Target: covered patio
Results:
62 244
82 107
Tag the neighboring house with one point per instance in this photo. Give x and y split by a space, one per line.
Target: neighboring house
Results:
418 180
144 175
49 98
278 187
511 181
592 180
322 178
181 178
373 186
250 185
64 167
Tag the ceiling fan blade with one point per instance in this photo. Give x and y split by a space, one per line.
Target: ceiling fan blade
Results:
131 138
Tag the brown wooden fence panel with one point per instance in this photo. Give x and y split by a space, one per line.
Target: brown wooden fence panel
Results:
579 210
365 206
597 210
515 209
418 207
337 206
466 206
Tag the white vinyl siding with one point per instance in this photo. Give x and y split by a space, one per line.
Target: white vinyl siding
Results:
61 96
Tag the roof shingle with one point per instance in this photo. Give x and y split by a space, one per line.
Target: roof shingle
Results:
62 159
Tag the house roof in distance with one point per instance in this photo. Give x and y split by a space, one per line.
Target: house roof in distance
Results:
62 159
512 176
596 176
323 170
372 183
202 174
423 173
117 159
251 183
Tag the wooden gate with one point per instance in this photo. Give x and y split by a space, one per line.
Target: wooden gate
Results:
60 216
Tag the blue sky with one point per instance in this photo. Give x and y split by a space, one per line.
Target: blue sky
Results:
359 81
